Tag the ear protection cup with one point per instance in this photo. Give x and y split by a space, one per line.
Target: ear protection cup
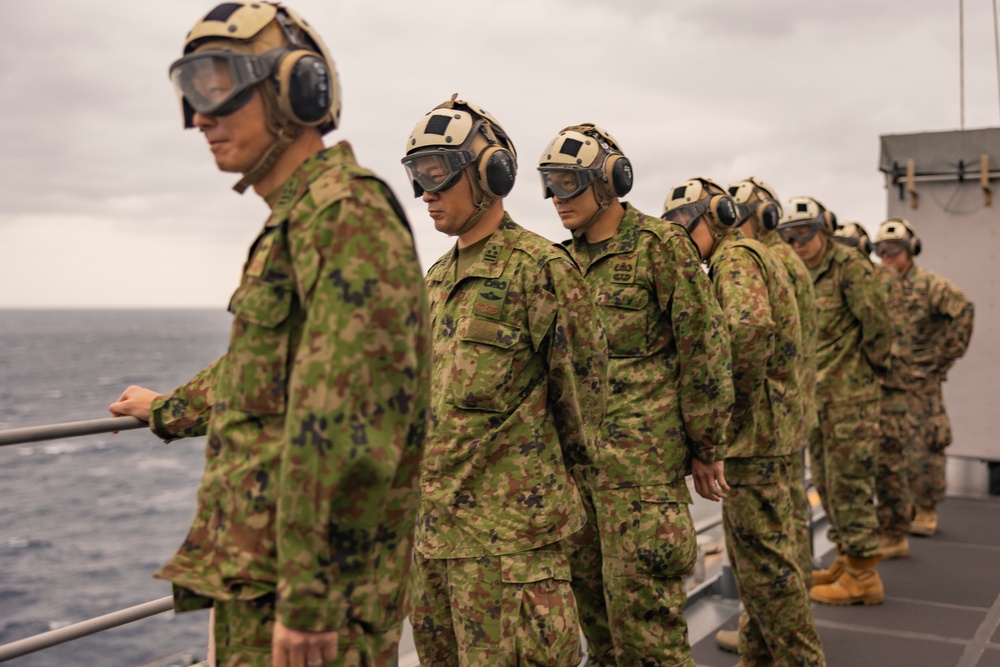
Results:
866 246
830 220
723 207
769 214
305 87
618 171
496 168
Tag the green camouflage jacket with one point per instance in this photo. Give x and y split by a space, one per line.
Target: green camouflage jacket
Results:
316 415
670 386
854 332
900 375
942 317
519 381
759 306
805 298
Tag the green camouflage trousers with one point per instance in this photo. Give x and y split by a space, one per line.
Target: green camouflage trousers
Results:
842 456
892 481
802 547
584 549
495 611
243 628
759 523
926 453
648 546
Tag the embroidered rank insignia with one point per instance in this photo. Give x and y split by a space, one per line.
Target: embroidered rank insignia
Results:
490 298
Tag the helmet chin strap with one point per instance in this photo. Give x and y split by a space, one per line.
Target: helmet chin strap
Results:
604 198
482 201
285 132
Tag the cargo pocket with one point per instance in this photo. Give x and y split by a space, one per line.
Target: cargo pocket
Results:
481 377
666 545
258 351
623 313
539 611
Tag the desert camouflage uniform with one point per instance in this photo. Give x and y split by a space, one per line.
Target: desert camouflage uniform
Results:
805 300
670 397
892 484
852 351
316 418
942 316
519 382
766 434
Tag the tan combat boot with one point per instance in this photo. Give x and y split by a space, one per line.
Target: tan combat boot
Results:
893 547
925 523
832 573
859 584
728 640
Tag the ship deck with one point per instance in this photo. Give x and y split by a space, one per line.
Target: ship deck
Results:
942 604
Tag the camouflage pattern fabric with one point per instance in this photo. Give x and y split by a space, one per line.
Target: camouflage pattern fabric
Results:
316 416
243 630
853 345
670 399
520 375
805 299
496 611
892 482
942 319
767 429
518 391
758 520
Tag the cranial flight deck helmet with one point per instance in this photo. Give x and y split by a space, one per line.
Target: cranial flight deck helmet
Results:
459 137
894 236
691 200
809 213
582 155
757 203
853 235
242 46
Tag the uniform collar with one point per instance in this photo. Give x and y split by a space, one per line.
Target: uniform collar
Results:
292 191
491 261
624 240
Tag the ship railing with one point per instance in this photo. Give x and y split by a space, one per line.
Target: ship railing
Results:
720 583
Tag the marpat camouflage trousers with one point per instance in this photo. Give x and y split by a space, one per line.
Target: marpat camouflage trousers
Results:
892 481
495 611
243 630
842 456
926 452
759 521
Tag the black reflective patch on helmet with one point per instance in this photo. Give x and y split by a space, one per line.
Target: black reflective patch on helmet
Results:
733 189
571 147
223 12
801 208
679 192
438 124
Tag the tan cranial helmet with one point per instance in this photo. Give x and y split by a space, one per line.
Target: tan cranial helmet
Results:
854 235
899 231
757 202
243 46
688 202
459 137
808 211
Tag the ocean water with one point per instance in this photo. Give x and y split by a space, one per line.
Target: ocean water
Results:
84 522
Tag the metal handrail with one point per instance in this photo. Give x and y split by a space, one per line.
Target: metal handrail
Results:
20 436
82 629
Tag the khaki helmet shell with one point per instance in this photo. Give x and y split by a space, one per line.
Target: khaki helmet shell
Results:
894 229
850 230
256 28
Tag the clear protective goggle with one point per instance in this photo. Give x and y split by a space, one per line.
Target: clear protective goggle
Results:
890 248
565 183
436 169
218 83
801 233
688 215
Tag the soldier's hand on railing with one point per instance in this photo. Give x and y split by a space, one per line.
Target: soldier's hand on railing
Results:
135 401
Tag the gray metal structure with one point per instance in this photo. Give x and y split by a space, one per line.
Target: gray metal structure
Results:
935 180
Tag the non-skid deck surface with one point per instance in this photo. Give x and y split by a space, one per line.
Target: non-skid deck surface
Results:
942 606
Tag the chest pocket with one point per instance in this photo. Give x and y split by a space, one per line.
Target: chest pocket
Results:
259 345
482 371
625 316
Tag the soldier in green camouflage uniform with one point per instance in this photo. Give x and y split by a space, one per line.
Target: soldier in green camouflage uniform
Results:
941 316
668 406
766 429
853 346
518 393
892 485
316 416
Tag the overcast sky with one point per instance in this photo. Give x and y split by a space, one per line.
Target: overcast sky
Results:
106 202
